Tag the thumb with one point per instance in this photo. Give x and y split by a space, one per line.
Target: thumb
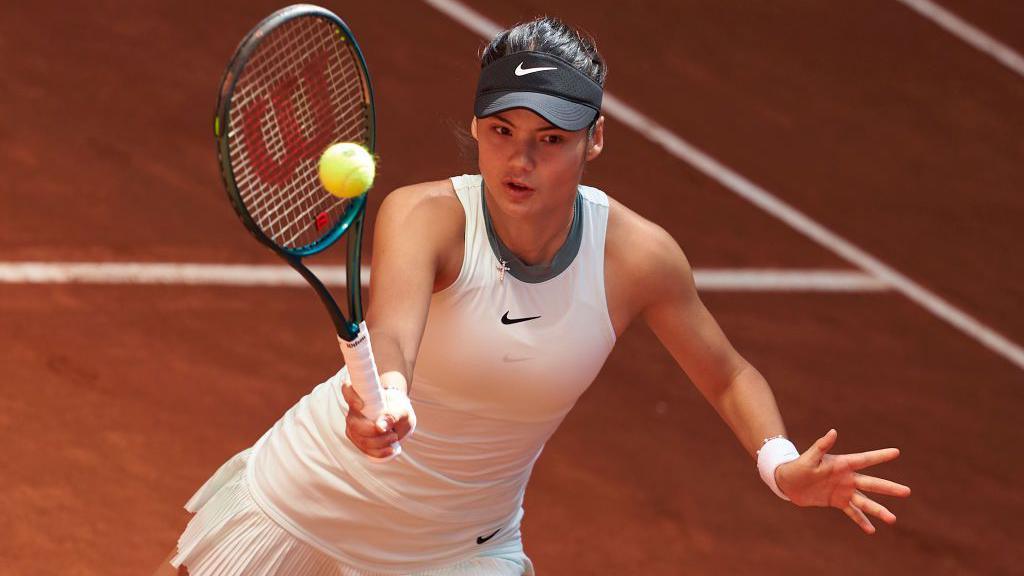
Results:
822 445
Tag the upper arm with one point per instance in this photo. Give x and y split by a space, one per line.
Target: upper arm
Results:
676 315
416 229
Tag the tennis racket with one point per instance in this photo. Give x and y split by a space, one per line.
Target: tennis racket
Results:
296 84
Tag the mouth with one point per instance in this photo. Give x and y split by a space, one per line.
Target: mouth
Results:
517 188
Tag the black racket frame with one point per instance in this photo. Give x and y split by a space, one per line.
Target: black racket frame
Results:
352 223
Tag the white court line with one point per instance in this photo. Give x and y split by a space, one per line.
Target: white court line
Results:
763 199
774 280
770 280
968 33
167 273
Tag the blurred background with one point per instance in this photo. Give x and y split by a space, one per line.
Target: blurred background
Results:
877 284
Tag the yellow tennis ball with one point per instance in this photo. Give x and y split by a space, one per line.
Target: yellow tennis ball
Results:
347 169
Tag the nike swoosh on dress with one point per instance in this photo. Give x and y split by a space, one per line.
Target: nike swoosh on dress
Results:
481 539
506 320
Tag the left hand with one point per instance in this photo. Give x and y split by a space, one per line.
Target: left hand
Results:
818 478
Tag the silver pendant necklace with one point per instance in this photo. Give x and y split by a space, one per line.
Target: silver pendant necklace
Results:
502 265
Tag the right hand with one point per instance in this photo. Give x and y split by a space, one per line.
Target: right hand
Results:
375 438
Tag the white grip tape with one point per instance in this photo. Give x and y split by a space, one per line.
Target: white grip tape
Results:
774 453
362 372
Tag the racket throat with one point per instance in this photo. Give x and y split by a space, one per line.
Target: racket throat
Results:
344 329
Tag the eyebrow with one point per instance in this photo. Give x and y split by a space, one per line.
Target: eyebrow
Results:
550 126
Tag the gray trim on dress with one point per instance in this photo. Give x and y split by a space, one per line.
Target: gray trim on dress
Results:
536 273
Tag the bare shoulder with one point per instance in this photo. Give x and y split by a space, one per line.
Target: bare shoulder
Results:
640 249
406 201
643 265
423 221
428 207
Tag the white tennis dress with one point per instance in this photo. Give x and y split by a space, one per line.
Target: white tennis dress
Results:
504 357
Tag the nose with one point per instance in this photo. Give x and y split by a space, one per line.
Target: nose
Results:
522 157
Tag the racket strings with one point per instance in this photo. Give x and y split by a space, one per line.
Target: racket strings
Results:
259 200
301 90
271 71
307 114
280 225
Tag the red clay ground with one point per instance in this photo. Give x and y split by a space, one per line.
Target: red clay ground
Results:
119 401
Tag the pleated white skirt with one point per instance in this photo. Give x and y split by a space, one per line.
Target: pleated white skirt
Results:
230 536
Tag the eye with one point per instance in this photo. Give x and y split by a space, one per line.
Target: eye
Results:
502 130
553 139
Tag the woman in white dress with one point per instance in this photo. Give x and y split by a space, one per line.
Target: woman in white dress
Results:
496 299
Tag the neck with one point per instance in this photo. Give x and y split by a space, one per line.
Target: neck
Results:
533 240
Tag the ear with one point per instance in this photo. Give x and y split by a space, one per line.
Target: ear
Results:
472 128
596 142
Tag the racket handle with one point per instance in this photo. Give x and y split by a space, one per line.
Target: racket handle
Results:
362 371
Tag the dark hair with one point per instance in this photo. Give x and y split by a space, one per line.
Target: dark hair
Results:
550 36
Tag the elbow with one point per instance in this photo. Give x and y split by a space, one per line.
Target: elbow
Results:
732 379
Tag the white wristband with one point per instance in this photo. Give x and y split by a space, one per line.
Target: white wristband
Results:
773 453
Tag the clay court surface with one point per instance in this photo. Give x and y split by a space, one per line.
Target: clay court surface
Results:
120 400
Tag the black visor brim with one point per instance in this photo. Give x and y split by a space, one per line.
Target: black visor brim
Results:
564 114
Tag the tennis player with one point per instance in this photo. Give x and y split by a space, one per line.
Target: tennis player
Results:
496 299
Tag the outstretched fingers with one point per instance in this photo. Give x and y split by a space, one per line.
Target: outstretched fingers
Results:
859 518
866 459
869 506
880 486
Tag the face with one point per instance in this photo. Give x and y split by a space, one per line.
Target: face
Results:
530 167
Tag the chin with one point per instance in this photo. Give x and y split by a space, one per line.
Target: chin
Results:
514 208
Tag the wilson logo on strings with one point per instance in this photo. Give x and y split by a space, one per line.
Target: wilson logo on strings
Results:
290 143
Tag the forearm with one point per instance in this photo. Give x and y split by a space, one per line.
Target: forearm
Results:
748 407
394 366
415 227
